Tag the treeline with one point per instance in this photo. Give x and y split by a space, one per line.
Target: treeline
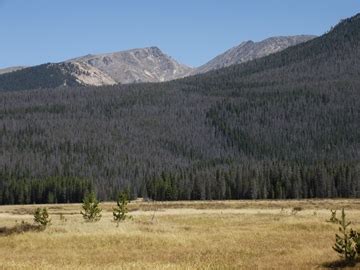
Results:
15 190
264 181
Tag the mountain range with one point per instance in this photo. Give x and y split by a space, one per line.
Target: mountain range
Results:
284 126
133 66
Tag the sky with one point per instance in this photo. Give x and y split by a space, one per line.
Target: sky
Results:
191 31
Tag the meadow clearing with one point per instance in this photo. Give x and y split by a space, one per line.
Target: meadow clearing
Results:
179 235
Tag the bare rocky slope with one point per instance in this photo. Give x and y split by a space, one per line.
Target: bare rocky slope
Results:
251 50
86 74
137 65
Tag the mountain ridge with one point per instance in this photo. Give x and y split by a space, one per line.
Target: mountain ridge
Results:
11 69
250 50
137 65
147 64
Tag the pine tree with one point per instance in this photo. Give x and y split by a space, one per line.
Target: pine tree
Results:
120 212
91 207
41 217
333 218
347 243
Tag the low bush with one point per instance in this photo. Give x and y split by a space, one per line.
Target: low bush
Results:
20 228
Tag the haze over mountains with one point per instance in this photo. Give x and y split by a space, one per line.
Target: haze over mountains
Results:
133 66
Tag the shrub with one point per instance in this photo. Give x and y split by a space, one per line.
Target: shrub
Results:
120 212
296 209
91 208
41 217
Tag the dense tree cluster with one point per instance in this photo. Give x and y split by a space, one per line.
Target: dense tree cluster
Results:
59 189
285 126
275 180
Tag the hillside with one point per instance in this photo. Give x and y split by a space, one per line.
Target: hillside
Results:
250 50
283 126
134 66
42 76
10 69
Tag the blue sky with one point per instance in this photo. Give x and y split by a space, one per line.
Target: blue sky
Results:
192 31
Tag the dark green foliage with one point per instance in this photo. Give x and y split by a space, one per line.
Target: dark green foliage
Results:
91 208
120 212
25 189
285 126
41 217
347 243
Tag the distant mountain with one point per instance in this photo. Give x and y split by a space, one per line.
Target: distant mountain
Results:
137 65
133 66
10 69
250 50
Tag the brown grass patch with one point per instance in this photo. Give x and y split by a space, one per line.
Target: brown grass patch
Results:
180 235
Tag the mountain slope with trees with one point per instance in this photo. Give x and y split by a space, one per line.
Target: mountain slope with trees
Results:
281 127
132 66
250 50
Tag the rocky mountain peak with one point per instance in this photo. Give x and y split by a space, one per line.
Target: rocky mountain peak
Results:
137 65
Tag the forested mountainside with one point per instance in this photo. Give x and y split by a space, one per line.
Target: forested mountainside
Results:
42 76
10 69
284 126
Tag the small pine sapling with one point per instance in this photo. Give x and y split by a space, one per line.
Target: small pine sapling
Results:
41 217
333 218
121 210
91 208
346 243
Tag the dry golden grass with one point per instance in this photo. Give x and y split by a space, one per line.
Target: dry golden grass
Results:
179 235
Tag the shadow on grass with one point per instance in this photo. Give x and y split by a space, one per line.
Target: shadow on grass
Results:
20 228
339 264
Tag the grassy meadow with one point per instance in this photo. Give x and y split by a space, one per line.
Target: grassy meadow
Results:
179 235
